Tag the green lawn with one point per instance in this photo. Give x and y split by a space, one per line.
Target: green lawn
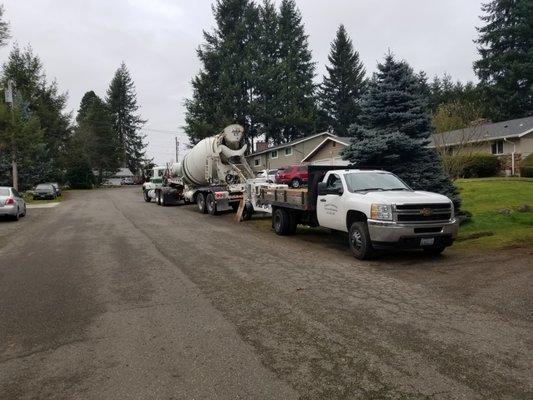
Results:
494 204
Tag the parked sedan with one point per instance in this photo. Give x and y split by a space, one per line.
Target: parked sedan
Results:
56 187
44 191
11 203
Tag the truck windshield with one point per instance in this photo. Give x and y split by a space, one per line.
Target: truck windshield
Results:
367 181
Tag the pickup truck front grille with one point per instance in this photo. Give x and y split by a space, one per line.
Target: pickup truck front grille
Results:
423 213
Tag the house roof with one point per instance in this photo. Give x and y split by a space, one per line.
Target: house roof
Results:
345 141
123 173
288 144
515 128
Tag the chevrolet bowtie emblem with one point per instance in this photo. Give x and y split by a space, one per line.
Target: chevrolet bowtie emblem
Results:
426 212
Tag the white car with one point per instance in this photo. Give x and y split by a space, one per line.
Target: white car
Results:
11 203
268 174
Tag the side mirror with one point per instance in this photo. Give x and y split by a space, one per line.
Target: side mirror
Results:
322 188
337 191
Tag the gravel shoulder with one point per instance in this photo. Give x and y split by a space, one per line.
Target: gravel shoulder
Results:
155 289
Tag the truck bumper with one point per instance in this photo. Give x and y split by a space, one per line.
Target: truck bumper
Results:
387 234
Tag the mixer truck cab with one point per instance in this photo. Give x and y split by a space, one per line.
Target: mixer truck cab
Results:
376 208
156 181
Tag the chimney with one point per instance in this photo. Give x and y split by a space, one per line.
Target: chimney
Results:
260 146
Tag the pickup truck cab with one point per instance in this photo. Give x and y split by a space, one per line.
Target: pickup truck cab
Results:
376 208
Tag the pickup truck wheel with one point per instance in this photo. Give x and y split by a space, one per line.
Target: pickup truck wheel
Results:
435 250
360 243
200 202
146 197
281 221
211 205
295 183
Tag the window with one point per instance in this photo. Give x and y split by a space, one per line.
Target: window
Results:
302 168
334 182
497 147
334 144
288 151
274 154
17 194
372 181
257 162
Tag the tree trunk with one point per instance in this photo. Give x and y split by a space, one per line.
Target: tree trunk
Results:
15 172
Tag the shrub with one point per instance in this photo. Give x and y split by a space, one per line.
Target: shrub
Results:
526 166
481 165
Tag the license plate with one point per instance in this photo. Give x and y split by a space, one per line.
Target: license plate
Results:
427 241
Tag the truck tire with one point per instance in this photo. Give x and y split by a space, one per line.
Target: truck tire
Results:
211 204
200 202
158 198
146 197
282 222
295 183
359 239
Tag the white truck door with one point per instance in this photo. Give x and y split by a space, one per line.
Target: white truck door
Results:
329 208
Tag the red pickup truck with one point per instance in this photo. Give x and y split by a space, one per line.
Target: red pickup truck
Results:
293 175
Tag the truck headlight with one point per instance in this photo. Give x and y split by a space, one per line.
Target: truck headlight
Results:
381 211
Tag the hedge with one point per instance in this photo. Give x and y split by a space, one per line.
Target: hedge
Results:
477 165
526 166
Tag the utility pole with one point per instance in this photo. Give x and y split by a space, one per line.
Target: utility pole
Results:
14 166
177 148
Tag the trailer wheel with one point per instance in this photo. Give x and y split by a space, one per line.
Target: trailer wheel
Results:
200 202
360 243
281 221
211 204
146 197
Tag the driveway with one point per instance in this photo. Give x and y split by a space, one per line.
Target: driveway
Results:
106 296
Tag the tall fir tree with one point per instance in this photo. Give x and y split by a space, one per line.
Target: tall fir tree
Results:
505 68
97 137
224 89
296 73
122 102
267 72
344 84
395 129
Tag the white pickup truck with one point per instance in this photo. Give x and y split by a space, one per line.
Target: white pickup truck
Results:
376 208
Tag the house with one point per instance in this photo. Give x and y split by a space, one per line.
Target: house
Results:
320 149
510 141
328 152
117 177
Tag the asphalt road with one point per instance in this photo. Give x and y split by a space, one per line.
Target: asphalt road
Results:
108 297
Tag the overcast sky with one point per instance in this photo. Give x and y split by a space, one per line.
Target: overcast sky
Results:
82 43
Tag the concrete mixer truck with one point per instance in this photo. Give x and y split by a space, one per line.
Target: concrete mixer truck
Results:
212 174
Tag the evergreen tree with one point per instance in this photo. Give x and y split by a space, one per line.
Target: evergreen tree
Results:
296 73
97 137
4 28
267 73
395 129
224 90
86 101
40 100
343 86
122 102
506 65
